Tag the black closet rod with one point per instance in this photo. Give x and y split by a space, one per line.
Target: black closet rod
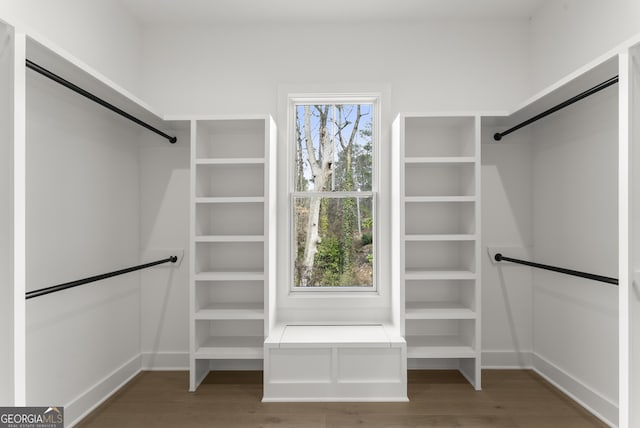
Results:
499 257
498 135
66 285
35 67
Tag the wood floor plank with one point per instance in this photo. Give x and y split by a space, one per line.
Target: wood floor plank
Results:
559 421
439 421
510 398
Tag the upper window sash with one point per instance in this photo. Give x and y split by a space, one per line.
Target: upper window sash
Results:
334 99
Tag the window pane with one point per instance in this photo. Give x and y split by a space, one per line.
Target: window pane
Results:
336 250
333 147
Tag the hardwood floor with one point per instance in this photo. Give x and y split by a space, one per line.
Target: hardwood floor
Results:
510 398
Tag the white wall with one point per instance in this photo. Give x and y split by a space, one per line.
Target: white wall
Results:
100 33
227 69
507 313
567 34
82 220
164 226
575 225
6 216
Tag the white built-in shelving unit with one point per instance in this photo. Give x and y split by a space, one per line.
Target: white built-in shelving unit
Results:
436 176
232 239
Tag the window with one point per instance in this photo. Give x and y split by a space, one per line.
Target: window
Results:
333 196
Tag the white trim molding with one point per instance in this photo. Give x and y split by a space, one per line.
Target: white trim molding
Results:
165 361
93 397
587 397
510 360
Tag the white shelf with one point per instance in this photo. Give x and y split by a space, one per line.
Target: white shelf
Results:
440 237
439 179
438 135
438 311
231 311
229 180
229 200
443 219
229 238
229 219
323 336
230 137
414 199
440 160
411 274
229 161
438 347
231 347
229 276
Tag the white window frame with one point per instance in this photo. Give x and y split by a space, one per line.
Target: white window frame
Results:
323 99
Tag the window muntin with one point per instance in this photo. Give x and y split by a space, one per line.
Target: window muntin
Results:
333 199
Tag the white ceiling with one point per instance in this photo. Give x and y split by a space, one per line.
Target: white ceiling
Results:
302 11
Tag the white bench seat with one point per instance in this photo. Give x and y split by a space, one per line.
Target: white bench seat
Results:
334 363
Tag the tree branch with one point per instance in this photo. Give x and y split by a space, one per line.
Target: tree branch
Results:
356 125
313 160
341 127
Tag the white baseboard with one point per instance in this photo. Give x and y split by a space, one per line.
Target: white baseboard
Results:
164 361
86 402
506 360
595 403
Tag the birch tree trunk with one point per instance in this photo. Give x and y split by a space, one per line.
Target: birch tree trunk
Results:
321 169
321 159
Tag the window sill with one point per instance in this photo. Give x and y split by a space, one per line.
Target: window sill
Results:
330 294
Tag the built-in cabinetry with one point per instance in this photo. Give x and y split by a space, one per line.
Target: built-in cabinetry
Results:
436 179
232 193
